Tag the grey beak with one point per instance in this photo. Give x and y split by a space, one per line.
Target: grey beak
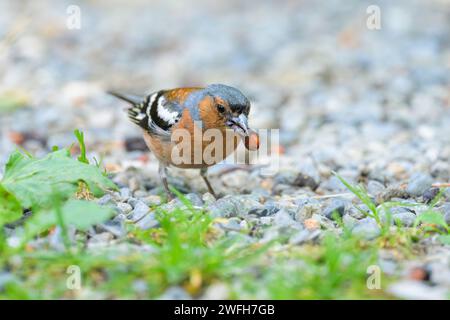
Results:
239 125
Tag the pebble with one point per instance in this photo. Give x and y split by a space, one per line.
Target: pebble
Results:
124 207
307 207
236 206
232 224
391 193
404 215
148 222
305 180
268 209
139 211
304 236
175 293
115 227
375 187
125 193
349 221
100 238
311 224
446 212
366 228
216 291
152 200
418 184
405 218
430 194
415 290
107 199
336 206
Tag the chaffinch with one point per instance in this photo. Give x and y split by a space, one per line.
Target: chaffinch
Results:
164 114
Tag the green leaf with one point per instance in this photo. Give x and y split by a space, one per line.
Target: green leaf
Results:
33 181
10 208
80 137
78 213
432 217
361 193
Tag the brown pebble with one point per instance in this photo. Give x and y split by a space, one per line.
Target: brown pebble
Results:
311 224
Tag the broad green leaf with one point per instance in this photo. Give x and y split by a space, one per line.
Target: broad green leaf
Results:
34 181
78 213
10 208
432 217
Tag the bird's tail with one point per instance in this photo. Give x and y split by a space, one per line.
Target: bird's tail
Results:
134 100
137 112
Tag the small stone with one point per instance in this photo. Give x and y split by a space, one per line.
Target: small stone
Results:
349 221
323 221
5 278
415 290
232 224
405 218
140 286
152 200
175 293
233 206
304 180
419 274
307 208
418 184
124 207
304 236
430 194
404 215
311 224
139 211
135 144
268 209
194 199
392 192
374 187
216 291
114 227
148 222
105 200
101 238
356 212
125 193
336 206
446 211
367 228
139 194
208 199
133 201
283 219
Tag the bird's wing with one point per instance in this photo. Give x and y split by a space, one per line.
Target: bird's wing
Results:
156 114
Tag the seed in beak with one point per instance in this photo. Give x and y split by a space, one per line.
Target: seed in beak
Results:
251 141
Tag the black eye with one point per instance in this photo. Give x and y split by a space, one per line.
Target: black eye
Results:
220 108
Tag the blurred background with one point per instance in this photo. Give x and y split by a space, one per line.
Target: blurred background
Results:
342 95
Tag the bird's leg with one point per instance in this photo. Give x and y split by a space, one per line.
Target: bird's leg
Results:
163 175
204 174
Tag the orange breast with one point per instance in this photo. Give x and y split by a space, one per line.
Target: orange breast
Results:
192 146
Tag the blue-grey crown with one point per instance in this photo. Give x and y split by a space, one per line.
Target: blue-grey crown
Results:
233 96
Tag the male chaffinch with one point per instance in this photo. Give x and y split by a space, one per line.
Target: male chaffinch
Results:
195 109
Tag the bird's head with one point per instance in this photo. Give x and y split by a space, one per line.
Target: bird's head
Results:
231 106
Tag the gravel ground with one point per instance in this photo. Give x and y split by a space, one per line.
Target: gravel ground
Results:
372 105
